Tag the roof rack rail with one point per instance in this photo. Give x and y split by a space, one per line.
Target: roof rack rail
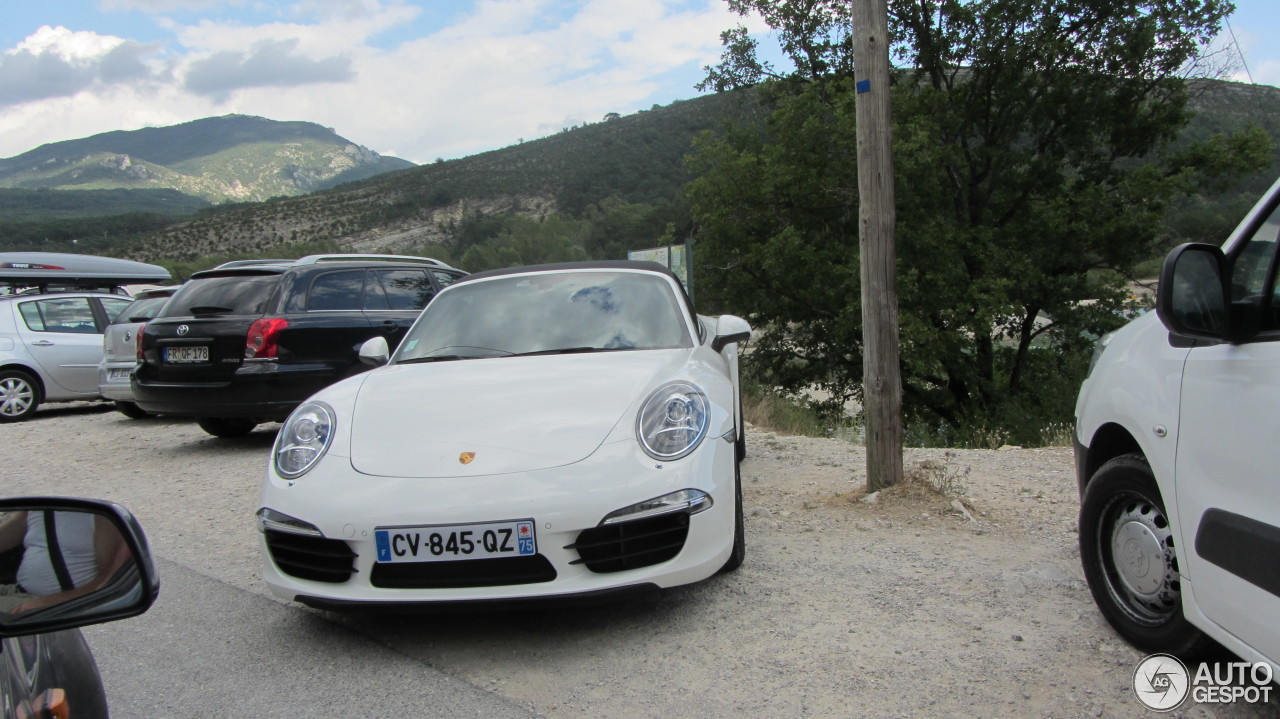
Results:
252 263
313 259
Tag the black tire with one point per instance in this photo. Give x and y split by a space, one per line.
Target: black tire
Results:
19 395
739 551
1139 594
131 410
227 427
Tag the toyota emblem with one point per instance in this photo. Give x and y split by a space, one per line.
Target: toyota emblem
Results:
183 329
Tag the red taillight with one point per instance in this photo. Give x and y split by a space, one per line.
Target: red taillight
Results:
263 340
137 343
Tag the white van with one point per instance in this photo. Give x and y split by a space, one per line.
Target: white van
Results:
1178 454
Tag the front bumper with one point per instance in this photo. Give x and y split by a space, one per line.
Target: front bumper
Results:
564 502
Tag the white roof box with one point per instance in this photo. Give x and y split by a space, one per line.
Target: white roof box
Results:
36 269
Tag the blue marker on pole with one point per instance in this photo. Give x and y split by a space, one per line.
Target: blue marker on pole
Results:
864 86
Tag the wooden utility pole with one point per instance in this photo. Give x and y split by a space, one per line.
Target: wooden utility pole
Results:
881 374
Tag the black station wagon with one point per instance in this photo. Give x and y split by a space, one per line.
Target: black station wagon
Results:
247 342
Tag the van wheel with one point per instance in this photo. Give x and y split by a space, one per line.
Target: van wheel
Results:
131 410
227 427
19 395
1131 562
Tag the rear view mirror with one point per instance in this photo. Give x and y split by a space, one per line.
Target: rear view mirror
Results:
730 329
68 563
1192 296
375 351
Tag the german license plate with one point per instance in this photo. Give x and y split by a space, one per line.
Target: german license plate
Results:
119 375
186 354
456 541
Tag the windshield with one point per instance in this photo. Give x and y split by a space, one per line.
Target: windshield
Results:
140 310
236 294
548 314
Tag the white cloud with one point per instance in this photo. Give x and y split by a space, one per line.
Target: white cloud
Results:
67 45
507 70
268 63
1266 72
56 62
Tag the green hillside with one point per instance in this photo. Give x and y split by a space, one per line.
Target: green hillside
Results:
235 157
595 190
633 165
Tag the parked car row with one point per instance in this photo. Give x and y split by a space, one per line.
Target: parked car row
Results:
234 346
247 342
579 425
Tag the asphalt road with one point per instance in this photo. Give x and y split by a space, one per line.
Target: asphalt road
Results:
208 649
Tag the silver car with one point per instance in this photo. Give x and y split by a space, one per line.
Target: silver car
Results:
50 347
120 349
54 308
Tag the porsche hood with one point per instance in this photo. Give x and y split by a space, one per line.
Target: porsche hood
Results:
496 416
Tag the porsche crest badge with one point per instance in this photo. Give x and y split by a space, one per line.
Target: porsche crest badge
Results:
466 457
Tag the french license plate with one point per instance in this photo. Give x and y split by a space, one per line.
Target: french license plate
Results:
119 375
186 354
456 541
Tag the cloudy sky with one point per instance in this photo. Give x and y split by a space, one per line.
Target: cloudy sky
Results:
418 79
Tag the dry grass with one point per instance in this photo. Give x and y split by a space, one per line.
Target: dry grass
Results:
929 486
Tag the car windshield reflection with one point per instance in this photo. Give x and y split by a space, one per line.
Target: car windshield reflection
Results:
550 313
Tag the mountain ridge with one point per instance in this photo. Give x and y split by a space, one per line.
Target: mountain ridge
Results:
230 157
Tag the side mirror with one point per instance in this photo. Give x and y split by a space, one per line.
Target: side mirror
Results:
78 561
375 351
730 329
1192 298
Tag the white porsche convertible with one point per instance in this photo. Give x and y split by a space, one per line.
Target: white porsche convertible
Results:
559 431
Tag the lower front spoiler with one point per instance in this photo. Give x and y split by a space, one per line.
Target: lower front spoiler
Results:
576 599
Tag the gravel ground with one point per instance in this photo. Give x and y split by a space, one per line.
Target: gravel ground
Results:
915 604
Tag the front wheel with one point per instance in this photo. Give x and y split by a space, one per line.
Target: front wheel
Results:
19 396
227 427
1130 560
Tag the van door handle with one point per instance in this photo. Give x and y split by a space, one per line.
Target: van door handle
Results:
42 343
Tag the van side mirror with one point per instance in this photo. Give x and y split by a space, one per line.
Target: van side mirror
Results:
730 329
78 561
1192 300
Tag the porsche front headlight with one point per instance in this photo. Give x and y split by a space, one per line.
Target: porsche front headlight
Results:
304 439
673 421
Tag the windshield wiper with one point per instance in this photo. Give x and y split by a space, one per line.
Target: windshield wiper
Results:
435 358
570 351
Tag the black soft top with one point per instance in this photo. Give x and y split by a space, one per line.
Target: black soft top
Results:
588 265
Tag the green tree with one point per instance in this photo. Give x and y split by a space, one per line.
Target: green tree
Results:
525 241
1034 158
